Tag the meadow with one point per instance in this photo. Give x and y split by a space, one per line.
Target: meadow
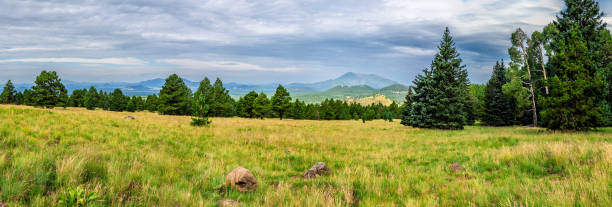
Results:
157 160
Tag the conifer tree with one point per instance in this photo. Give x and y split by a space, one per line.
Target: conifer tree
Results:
174 97
281 101
441 95
8 95
117 101
246 105
151 103
580 57
204 90
261 106
407 109
77 98
49 91
499 107
221 104
91 98
131 105
200 109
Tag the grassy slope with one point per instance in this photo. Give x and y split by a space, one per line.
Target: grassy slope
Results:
162 161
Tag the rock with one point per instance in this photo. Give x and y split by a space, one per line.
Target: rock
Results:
318 169
456 167
241 179
227 203
129 117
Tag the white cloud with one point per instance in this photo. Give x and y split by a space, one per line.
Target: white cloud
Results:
413 51
223 65
114 61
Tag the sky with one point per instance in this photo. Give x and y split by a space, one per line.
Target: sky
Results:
267 41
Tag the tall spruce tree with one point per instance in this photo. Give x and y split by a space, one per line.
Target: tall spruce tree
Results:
174 97
49 91
8 95
441 99
261 106
204 91
580 57
407 108
281 101
498 107
77 98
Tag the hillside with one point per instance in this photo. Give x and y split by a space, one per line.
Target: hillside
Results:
386 95
159 160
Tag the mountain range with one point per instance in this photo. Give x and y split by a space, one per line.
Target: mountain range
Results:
348 86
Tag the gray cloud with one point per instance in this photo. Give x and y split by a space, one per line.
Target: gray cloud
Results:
255 41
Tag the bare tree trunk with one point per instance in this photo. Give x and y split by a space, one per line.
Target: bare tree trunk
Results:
533 103
543 68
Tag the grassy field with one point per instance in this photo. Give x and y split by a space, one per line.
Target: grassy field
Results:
162 161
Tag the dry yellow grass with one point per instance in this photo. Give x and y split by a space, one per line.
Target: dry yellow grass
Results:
159 160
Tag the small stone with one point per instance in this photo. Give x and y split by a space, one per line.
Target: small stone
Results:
241 179
227 203
456 167
129 117
318 169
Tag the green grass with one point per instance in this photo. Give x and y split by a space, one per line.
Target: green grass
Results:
163 161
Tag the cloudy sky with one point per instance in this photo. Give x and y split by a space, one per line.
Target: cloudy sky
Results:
265 41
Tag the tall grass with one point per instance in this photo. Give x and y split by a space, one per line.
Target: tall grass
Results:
163 161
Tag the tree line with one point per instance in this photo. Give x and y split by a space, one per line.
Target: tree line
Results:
209 100
559 78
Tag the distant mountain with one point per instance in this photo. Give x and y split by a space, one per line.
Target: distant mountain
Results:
348 86
348 79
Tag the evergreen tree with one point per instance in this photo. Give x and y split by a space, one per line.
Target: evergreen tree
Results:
77 98
200 108
580 56
204 90
298 110
91 98
246 105
151 103
174 97
281 101
441 99
499 107
118 102
19 98
8 95
131 105
28 97
261 106
407 109
48 90
221 100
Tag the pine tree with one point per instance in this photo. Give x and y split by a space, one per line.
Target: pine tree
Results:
91 98
441 99
499 107
261 106
580 51
151 103
8 95
246 105
48 90
204 90
200 109
77 98
131 105
407 108
281 101
221 104
118 102
174 97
